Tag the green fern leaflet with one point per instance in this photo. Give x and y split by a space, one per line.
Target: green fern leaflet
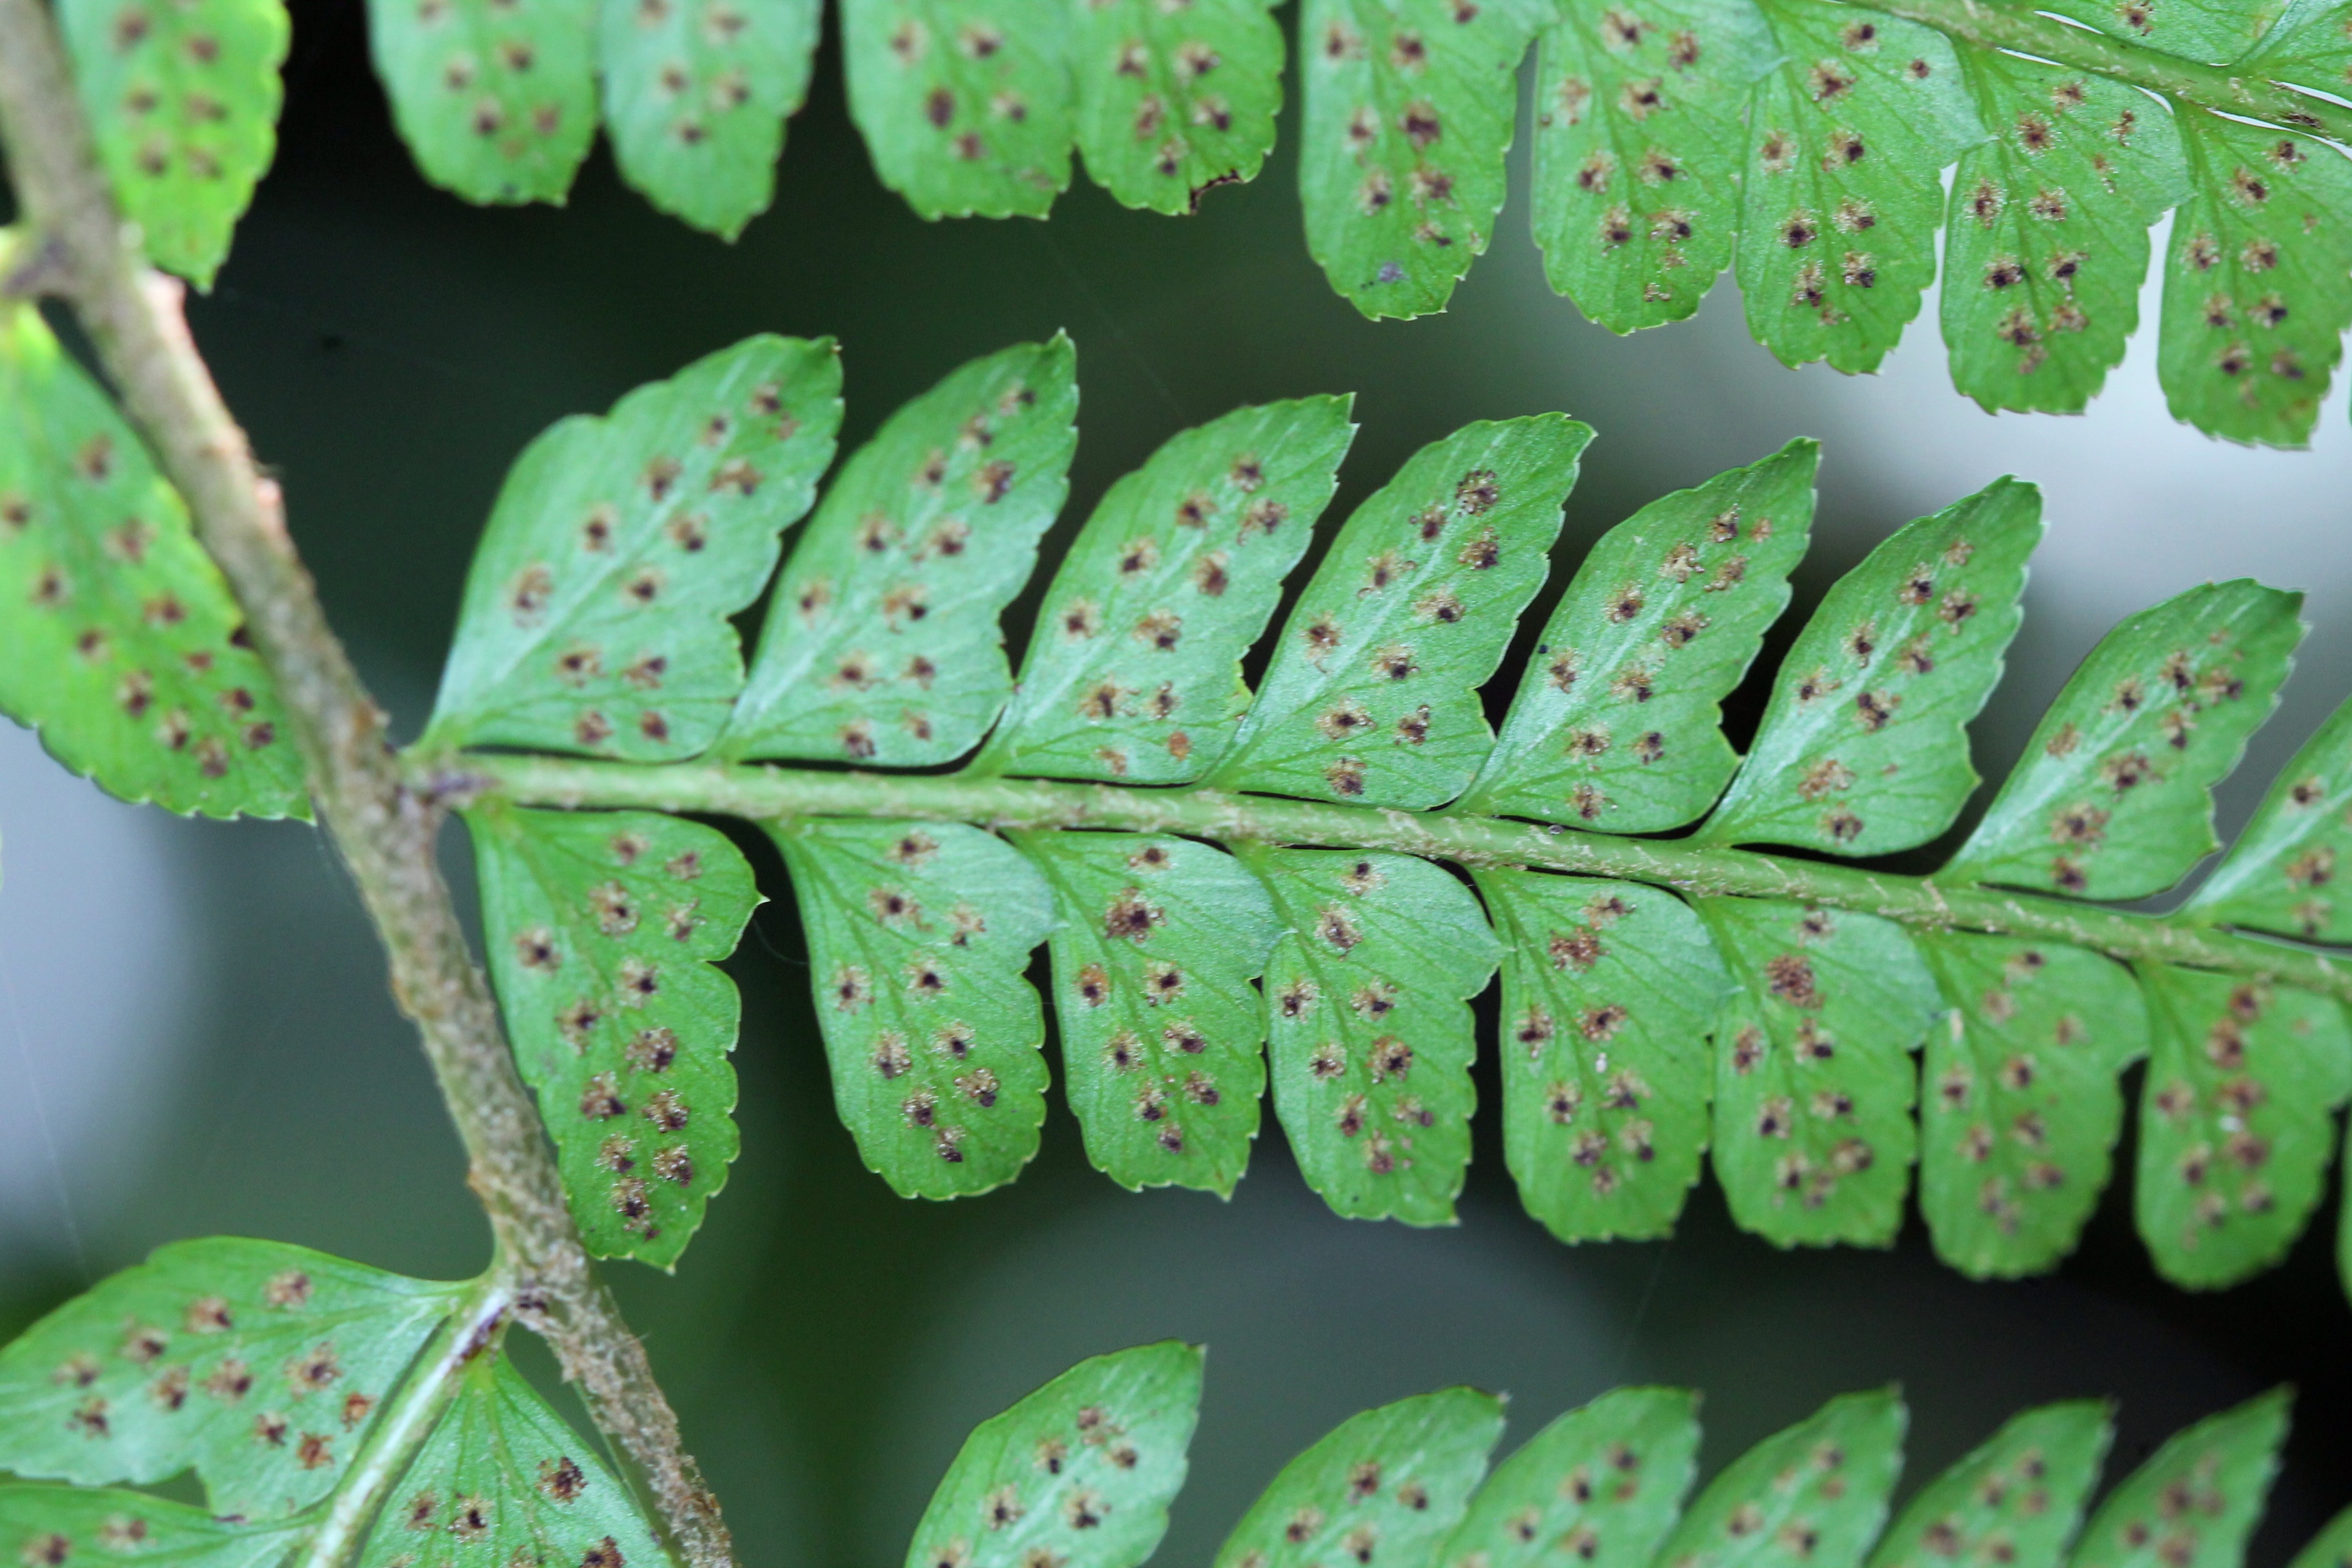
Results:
1081 1470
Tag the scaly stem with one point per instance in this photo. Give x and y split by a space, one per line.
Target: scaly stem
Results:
1990 26
772 793
385 833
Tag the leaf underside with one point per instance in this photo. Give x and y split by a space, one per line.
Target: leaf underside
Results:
1804 145
1171 101
918 937
183 98
695 93
502 1476
1155 943
1370 695
495 99
595 617
1816 1049
1813 1078
1391 1481
1639 1028
1369 1041
262 1367
2020 1102
618 1017
884 644
2237 1121
1081 1471
121 643
1609 990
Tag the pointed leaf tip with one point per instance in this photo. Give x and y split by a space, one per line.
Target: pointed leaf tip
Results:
1371 694
1394 1480
1863 749
597 610
1080 1472
883 643
1618 720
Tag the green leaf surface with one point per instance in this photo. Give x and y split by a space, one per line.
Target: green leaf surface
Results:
503 1479
1370 695
1386 1486
2258 285
1172 100
51 1526
2281 874
1863 746
2114 798
696 96
595 615
918 937
1155 943
121 643
603 930
2021 1105
2211 31
882 642
1848 138
965 108
1369 1038
495 99
1080 1472
1811 1496
2016 1499
1601 1484
2047 241
1609 990
2237 1121
182 100
1639 145
260 1366
2331 1548
1408 114
1134 671
2194 1501
2307 47
1813 1079
1618 720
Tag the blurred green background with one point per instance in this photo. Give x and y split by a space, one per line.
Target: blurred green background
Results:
195 1033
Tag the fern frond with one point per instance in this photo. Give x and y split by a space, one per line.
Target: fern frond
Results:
1669 996
453 1452
1801 142
334 1412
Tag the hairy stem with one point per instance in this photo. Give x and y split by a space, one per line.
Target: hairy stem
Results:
770 794
1992 25
384 832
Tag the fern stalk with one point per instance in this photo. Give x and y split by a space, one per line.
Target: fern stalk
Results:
1992 26
776 794
87 257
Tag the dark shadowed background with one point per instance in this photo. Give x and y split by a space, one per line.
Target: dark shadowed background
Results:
195 1033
